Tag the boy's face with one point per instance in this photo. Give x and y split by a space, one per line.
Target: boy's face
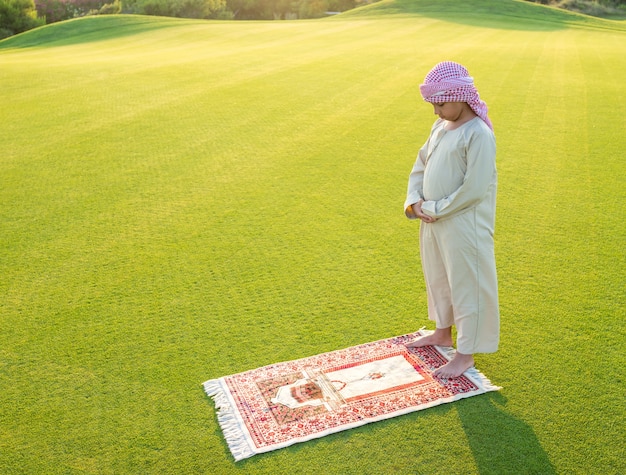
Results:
449 110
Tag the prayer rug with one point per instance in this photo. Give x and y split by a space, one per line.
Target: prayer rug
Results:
286 403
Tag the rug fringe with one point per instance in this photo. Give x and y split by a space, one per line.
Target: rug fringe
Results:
482 380
228 421
472 373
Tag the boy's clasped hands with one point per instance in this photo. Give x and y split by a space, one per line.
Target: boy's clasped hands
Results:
417 209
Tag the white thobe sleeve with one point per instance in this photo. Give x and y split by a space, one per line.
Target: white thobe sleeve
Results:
479 175
414 191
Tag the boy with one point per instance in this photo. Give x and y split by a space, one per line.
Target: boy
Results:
452 190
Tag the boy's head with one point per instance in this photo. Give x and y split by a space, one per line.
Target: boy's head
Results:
450 82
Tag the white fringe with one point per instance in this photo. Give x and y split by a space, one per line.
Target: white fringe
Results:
231 426
480 379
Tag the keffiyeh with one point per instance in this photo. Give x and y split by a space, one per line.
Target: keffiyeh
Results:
451 82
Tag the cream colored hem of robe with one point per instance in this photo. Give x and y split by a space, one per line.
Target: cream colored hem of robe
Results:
455 174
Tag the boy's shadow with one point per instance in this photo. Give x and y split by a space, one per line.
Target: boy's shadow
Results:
500 442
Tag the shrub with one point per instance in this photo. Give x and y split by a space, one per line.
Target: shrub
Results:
599 8
59 10
17 16
54 10
594 8
175 8
109 8
312 8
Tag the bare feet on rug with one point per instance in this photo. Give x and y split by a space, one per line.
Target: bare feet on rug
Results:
441 337
455 367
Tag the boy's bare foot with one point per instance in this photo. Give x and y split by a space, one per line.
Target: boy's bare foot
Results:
441 337
455 367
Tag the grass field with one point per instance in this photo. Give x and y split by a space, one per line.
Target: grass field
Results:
182 200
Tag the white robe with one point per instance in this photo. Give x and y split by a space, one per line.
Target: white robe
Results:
455 174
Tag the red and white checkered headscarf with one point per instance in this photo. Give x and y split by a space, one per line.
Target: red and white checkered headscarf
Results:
451 82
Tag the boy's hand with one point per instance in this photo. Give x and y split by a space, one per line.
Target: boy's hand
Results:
417 209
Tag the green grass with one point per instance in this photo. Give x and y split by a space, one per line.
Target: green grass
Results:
183 200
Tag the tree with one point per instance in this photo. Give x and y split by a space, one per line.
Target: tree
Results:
59 10
245 9
17 16
283 9
175 8
312 8
55 10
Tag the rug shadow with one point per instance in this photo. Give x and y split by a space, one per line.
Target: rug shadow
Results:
498 439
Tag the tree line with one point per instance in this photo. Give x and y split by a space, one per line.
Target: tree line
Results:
599 8
17 16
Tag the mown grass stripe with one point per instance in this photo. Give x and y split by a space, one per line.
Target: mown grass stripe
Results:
183 200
